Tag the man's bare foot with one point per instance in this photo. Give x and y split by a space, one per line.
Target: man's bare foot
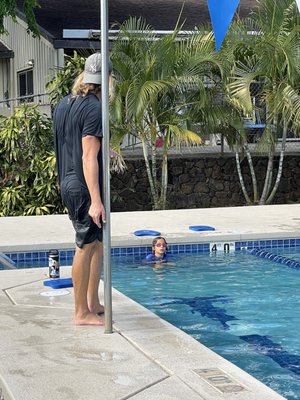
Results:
98 309
88 319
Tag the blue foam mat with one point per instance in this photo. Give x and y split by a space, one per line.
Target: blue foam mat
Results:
146 232
199 228
59 283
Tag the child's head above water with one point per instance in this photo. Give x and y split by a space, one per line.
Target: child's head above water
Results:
159 246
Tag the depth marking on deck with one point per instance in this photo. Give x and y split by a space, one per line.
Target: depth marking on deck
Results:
219 380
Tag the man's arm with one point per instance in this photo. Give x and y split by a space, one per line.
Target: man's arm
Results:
90 150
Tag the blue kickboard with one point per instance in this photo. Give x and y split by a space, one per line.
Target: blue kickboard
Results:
199 228
146 232
59 283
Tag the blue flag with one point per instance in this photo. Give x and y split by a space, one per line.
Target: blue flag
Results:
221 14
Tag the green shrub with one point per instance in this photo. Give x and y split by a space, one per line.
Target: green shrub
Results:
27 164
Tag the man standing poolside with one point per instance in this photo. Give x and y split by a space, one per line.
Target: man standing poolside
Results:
77 125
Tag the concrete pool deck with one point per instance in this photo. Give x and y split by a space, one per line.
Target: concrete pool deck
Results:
44 356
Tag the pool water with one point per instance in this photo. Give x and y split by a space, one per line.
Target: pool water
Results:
243 307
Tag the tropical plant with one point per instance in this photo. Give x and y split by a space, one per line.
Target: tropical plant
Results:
268 59
64 78
27 166
161 88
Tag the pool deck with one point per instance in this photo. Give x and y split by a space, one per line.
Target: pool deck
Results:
44 356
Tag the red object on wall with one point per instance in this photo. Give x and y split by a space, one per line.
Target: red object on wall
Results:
159 142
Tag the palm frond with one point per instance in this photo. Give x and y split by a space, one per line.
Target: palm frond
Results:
178 135
239 87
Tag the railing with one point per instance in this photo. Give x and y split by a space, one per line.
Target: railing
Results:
7 262
217 143
21 99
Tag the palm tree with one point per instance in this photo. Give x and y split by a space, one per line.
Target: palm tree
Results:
268 58
161 86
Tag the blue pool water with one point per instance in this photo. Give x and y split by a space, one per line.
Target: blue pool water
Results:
243 307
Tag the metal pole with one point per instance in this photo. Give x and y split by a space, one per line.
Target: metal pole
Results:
106 164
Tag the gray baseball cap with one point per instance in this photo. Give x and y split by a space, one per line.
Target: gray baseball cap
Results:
92 69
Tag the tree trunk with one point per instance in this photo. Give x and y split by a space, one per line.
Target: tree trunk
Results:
154 193
268 178
164 178
252 173
280 166
238 167
154 166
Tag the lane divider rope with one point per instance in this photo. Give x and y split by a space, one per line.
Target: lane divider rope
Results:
289 262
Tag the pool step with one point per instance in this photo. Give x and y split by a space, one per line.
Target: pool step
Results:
7 262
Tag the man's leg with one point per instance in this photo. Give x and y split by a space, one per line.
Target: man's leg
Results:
80 277
94 280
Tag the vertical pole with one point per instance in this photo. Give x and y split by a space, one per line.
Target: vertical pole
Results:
106 164
60 62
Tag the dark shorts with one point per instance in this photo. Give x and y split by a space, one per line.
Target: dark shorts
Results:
76 198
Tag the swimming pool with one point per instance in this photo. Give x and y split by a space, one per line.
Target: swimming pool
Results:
227 301
243 307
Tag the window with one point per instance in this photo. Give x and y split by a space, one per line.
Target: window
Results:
25 85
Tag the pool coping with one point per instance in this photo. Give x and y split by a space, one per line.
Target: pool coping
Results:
146 240
234 224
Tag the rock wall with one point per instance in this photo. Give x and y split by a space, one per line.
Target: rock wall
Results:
202 182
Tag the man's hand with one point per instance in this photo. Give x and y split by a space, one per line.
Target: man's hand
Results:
97 213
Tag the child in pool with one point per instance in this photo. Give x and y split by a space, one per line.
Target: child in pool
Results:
159 252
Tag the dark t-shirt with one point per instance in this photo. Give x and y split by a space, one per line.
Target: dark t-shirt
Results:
74 118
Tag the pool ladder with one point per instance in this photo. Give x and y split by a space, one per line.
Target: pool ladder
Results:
7 262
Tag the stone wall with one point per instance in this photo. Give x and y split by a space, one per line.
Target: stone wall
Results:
202 181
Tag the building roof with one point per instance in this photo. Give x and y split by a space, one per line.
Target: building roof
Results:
56 15
5 52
